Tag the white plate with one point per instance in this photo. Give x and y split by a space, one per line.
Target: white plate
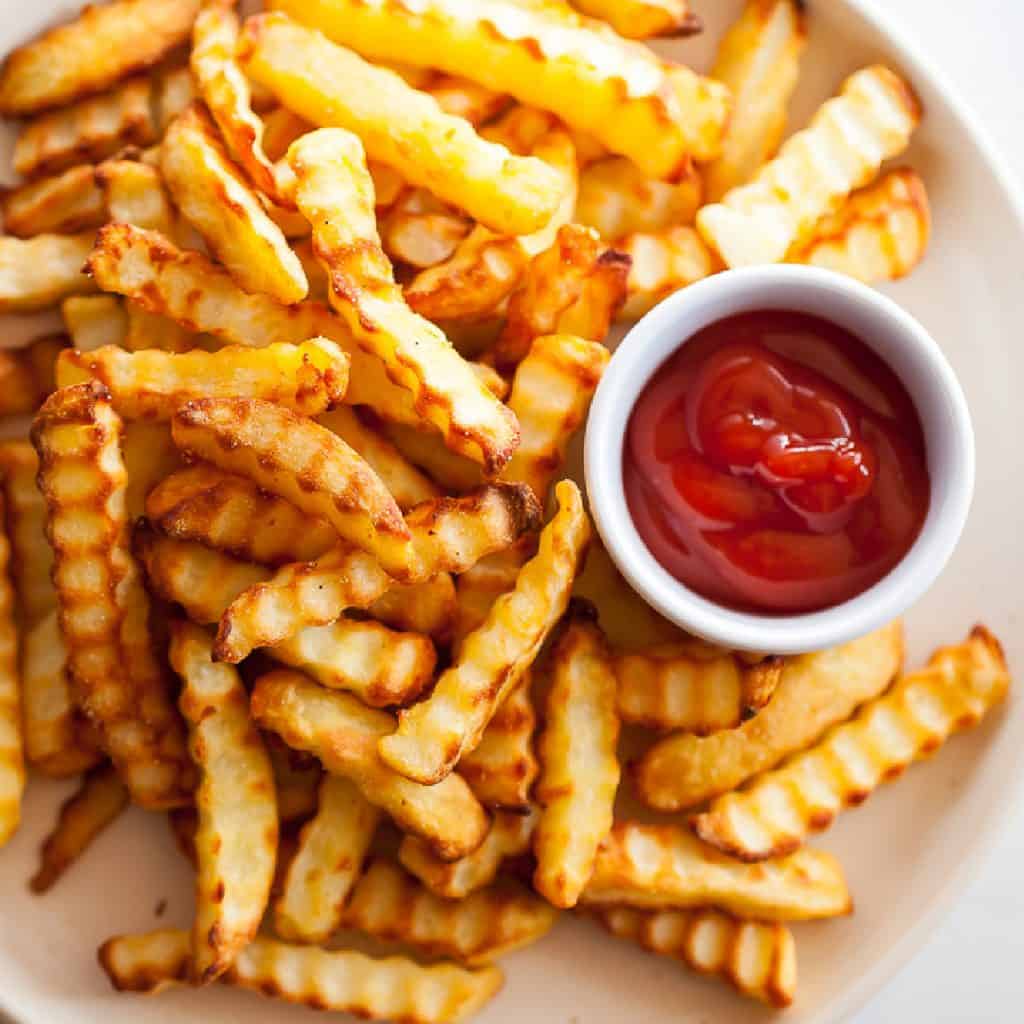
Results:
907 852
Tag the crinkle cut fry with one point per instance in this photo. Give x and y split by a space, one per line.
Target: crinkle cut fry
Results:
12 741
393 988
335 193
779 810
547 56
434 734
104 608
41 271
757 958
61 204
236 841
449 535
644 19
663 262
26 374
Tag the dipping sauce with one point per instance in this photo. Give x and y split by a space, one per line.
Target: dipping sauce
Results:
775 464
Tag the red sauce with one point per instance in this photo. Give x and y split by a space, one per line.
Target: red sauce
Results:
775 463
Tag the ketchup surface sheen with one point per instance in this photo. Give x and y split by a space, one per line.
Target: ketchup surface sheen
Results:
775 463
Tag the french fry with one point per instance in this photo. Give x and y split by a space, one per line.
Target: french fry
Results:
758 959
175 93
391 905
39 272
61 204
664 867
220 204
427 607
464 98
579 773
879 234
134 194
759 60
91 53
434 734
297 779
151 331
26 375
779 810
302 462
332 846
394 988
149 457
421 231
644 19
548 56
151 384
662 263
104 608
87 131
281 127
509 835
94 320
97 802
343 733
815 692
405 482
449 535
443 467
399 126
333 190
236 842
12 739
870 121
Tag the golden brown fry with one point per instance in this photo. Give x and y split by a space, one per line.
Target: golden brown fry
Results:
849 138
26 375
664 867
579 772
12 740
297 779
644 19
219 203
509 835
759 60
451 472
61 204
97 802
236 842
427 607
149 457
465 98
151 384
134 194
151 331
104 609
879 234
175 92
776 813
815 692
332 846
548 56
662 263
94 320
302 462
434 734
39 272
281 127
343 733
101 46
421 231
401 127
394 988
334 191
758 959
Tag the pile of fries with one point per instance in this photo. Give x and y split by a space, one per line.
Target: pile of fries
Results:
336 288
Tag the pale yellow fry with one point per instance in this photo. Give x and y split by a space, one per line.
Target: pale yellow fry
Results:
815 692
302 462
434 734
61 204
400 126
93 321
175 92
12 740
297 778
149 457
343 734
394 988
465 98
548 56
39 272
663 262
223 208
509 836
151 384
421 231
26 375
664 867
449 471
151 331
87 131
579 772
427 607
879 234
91 53
104 609
849 138
97 802
335 192
779 810
281 127
332 846
449 535
134 194
390 904
644 19
236 842
758 959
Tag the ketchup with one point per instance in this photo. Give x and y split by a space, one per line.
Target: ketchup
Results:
774 463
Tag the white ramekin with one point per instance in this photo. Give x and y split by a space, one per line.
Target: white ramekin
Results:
897 338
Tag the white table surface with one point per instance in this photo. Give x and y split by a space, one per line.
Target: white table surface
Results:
972 970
